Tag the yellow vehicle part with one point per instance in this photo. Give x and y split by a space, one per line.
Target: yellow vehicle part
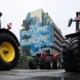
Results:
7 52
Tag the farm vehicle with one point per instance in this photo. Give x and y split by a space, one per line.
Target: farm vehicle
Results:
9 48
45 60
71 48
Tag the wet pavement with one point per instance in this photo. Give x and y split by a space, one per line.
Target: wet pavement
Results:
25 74
53 78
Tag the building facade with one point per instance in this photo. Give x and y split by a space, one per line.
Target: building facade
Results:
38 31
57 39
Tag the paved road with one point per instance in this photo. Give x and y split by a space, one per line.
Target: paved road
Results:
24 74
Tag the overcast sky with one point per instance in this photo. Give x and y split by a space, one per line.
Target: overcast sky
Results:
60 11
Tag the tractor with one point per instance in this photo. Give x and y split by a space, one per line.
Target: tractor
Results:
45 60
71 47
9 48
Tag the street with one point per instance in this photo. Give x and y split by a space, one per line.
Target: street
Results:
26 74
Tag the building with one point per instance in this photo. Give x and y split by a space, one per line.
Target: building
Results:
57 39
38 31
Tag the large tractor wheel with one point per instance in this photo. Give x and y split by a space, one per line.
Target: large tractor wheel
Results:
66 55
42 65
71 56
49 63
58 62
75 54
32 63
9 53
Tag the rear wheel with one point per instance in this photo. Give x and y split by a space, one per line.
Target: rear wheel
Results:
49 63
66 55
42 66
59 61
71 56
9 52
75 54
32 63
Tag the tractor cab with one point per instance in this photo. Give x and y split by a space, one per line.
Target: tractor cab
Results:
46 50
77 20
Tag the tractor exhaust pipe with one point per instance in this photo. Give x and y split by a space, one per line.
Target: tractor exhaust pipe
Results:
0 19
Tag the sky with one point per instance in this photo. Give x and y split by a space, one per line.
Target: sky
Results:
60 11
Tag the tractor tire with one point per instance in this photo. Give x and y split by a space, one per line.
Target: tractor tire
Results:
32 63
75 54
55 64
48 63
71 56
42 66
66 55
58 62
9 52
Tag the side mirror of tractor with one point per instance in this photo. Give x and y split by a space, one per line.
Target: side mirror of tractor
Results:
0 14
70 21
